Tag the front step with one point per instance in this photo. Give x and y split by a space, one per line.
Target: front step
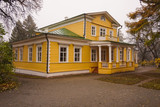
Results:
95 70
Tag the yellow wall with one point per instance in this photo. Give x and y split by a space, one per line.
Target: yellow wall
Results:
35 66
55 66
99 23
78 28
75 27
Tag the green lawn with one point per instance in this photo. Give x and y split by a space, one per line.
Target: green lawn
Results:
154 84
128 79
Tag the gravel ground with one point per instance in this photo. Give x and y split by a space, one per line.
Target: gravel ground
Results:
78 91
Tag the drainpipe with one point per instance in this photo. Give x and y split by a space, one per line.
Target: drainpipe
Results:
47 64
119 29
84 33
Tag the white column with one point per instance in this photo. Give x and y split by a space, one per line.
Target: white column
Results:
110 54
117 55
132 54
136 58
99 53
126 54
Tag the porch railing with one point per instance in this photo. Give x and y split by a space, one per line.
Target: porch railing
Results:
122 64
104 64
130 64
113 38
116 65
113 64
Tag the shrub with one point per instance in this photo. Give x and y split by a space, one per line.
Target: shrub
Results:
157 62
6 62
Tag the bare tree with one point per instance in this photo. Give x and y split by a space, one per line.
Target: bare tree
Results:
12 10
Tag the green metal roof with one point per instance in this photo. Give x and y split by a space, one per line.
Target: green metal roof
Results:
66 32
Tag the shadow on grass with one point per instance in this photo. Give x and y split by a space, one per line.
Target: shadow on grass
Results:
128 79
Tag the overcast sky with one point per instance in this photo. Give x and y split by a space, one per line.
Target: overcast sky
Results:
55 10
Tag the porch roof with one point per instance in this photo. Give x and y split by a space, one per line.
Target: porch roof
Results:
109 43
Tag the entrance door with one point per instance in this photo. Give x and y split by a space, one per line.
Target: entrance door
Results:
103 53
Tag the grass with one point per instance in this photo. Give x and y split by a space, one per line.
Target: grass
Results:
128 79
154 84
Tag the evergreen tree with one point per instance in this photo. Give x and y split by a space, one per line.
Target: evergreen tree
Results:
29 26
18 32
23 31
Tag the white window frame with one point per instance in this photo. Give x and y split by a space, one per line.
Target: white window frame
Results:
103 55
29 54
65 46
110 33
102 32
95 55
121 54
16 54
80 54
92 30
20 54
37 53
103 18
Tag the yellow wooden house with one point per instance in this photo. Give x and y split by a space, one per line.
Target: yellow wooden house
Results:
85 43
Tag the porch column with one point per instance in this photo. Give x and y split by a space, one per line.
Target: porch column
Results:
132 57
136 58
126 54
132 54
110 54
127 63
100 62
117 58
99 53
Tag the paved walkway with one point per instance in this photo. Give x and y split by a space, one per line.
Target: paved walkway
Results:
78 91
144 69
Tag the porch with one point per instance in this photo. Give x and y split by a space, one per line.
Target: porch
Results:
115 57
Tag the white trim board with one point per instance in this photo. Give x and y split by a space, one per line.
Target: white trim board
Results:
36 73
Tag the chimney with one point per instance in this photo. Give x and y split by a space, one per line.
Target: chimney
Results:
66 18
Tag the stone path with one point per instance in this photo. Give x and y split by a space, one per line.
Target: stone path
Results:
144 69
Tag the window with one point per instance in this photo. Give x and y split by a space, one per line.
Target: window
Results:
112 53
39 53
30 54
111 33
16 54
93 55
63 53
103 58
93 30
102 32
21 54
128 54
103 18
77 54
121 54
